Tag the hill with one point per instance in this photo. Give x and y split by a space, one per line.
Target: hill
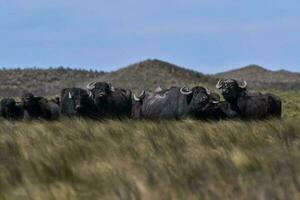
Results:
153 73
13 82
138 76
259 77
147 74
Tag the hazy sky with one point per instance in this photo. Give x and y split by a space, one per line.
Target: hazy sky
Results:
206 35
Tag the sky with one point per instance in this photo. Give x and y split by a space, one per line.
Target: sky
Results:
205 35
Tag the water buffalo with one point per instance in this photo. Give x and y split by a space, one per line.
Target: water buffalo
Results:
10 110
111 102
249 105
76 102
39 107
174 103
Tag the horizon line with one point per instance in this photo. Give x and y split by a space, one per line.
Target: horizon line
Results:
128 65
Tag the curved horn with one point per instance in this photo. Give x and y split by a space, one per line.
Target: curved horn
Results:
158 89
207 91
142 95
218 86
91 85
70 96
182 91
90 94
244 85
112 88
135 98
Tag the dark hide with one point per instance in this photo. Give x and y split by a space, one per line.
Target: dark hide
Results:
10 110
249 105
173 104
39 107
75 102
112 103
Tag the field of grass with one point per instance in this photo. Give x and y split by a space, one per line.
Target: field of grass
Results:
84 159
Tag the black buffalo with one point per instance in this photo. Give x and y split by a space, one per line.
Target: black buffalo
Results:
175 103
10 110
249 105
76 102
39 107
111 102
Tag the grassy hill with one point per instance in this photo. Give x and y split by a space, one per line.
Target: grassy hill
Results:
142 75
153 73
259 77
13 82
147 74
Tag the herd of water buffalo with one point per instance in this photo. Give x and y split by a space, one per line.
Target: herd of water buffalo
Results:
102 101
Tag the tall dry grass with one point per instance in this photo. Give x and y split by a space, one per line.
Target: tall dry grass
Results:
82 159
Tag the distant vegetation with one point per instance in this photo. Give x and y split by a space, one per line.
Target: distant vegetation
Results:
14 82
143 75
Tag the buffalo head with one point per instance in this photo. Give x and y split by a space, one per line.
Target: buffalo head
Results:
198 97
28 100
231 89
99 90
79 99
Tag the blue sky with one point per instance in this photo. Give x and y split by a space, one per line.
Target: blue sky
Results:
206 35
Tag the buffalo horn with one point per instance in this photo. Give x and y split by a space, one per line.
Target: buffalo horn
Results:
185 91
112 88
244 85
158 89
207 91
143 93
91 85
135 98
218 86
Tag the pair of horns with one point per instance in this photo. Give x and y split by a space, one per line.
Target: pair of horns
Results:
91 86
187 91
219 84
